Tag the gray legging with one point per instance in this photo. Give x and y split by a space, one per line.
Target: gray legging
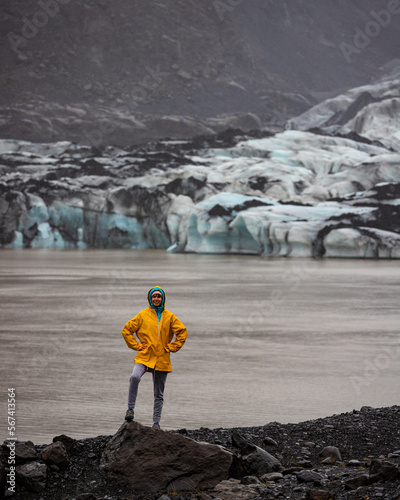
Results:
159 379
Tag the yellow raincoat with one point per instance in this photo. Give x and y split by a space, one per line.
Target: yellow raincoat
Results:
156 334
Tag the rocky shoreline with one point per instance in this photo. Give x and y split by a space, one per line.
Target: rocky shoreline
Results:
353 455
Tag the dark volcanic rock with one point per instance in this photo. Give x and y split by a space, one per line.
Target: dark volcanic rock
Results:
24 452
356 481
67 441
255 460
367 436
381 471
32 476
56 454
150 461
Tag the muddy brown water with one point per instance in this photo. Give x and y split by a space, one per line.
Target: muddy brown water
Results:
269 339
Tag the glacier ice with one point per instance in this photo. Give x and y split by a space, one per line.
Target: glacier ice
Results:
297 193
370 111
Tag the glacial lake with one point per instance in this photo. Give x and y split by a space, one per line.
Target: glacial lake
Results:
282 340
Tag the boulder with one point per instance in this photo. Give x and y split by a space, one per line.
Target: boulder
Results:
25 452
356 481
330 452
32 476
381 471
67 441
22 452
56 454
255 460
149 461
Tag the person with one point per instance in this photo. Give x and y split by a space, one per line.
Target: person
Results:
155 328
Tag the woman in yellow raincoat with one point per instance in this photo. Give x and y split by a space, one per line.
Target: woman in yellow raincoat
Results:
155 328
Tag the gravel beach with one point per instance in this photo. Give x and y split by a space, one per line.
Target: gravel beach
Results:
353 455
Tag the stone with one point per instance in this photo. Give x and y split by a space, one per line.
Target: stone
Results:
309 476
271 476
32 476
383 471
305 464
250 480
86 496
184 74
330 452
232 490
291 470
255 460
56 454
356 481
3 477
150 462
269 442
25 452
67 441
238 440
319 495
353 463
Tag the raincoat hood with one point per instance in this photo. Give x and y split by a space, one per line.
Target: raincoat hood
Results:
160 308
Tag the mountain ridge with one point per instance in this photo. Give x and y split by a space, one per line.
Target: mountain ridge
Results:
118 62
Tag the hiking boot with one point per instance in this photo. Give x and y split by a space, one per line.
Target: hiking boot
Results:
156 427
129 414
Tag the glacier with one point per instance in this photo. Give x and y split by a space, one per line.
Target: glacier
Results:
371 111
327 186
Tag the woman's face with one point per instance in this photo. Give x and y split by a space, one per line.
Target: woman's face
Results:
156 298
